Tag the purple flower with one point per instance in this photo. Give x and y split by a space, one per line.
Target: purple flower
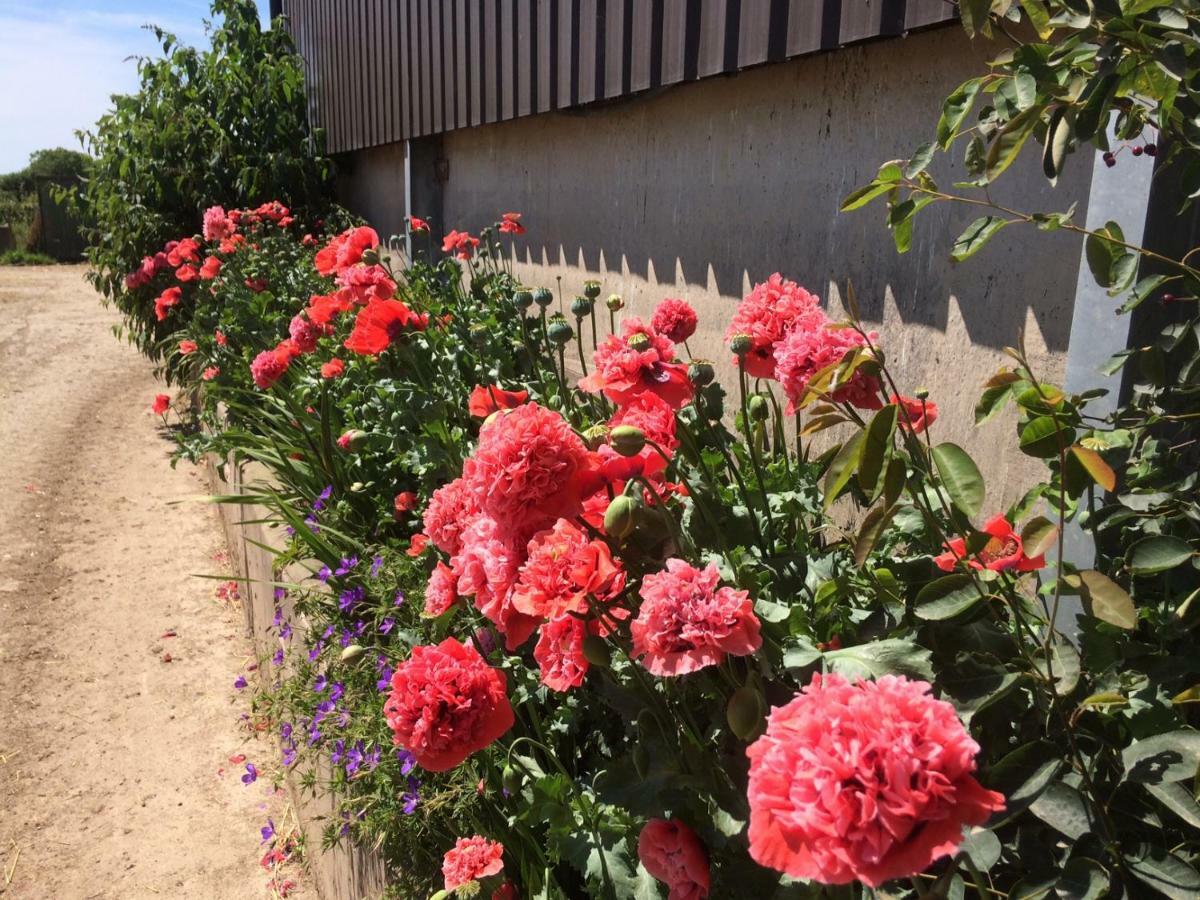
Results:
320 684
314 734
311 522
350 598
280 593
347 565
289 755
399 601
316 651
278 618
289 530
337 692
385 678
319 503
285 730
328 632
376 565
411 797
268 831
277 659
372 759
359 627
408 762
339 748
286 631
343 718
386 626
240 682
323 574
346 637
251 775
354 759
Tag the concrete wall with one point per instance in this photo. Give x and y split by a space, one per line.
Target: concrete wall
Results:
701 190
371 183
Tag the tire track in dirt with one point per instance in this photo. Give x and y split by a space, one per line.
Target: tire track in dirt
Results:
109 756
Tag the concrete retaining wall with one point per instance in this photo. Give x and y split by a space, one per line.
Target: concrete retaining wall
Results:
344 872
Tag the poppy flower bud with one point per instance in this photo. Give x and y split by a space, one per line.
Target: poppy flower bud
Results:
621 516
744 713
559 331
922 393
581 306
741 344
627 440
595 651
701 372
615 302
370 256
639 341
758 408
351 653
594 436
479 334
511 779
353 440
591 289
523 299
542 297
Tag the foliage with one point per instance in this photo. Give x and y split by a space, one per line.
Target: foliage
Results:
25 258
227 124
57 164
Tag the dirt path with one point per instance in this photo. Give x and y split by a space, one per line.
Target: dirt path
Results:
111 757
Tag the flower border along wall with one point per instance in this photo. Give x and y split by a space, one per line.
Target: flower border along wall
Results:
603 637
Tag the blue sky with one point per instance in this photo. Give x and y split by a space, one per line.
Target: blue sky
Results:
61 60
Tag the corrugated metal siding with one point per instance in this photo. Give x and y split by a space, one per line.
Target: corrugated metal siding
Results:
384 70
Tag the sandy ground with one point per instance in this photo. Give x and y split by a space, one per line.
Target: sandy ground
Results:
116 779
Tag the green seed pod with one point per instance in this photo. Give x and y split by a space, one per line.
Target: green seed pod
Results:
615 303
922 393
523 299
758 408
356 439
627 440
639 341
741 344
559 331
591 289
701 372
594 436
511 779
621 517
351 653
370 256
595 651
744 713
542 297
581 307
479 334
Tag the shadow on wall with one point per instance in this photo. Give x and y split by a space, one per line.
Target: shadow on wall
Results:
722 182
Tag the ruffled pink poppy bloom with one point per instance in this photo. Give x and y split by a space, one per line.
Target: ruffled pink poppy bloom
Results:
805 351
1002 552
675 319
486 567
640 360
305 333
559 653
687 622
565 567
765 315
211 268
187 348
673 854
162 402
217 225
510 223
268 367
441 592
451 509
471 859
345 250
862 782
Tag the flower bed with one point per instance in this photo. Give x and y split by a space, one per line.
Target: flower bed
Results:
608 636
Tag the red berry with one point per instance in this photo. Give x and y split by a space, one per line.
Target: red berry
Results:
1110 160
1137 151
1152 150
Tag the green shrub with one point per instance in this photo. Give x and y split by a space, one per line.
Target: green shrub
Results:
224 125
25 258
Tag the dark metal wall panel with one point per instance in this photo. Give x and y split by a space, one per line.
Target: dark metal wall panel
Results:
386 70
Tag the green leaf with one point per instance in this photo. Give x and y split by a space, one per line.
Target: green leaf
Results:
1096 467
995 396
961 478
1143 290
1063 668
1163 758
877 447
1160 553
920 160
864 195
982 846
843 467
975 235
1005 146
868 534
1058 138
1108 600
1063 809
956 109
1043 438
887 657
1165 873
1178 799
948 597
974 15
1038 17
1024 774
1038 536
1082 879
1103 251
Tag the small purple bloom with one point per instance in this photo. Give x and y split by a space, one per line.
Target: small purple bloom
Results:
240 682
337 692
359 627
315 652
354 758
285 730
289 530
251 775
278 618
320 684
339 748
286 631
277 659
386 626
323 574
385 679
319 503
399 601
268 831
347 565
408 762
376 565
311 522
280 593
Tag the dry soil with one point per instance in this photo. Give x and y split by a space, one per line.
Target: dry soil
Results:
115 736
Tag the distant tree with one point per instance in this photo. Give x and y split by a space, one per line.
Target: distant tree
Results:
57 164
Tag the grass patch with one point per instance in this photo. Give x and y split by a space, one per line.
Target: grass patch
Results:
25 258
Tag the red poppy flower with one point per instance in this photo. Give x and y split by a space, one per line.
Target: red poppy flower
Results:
184 251
510 223
565 567
446 703
417 226
187 347
186 273
461 243
166 300
162 402
220 338
471 859
1002 552
417 545
379 323
268 367
673 854
210 373
487 400
324 308
211 268
765 315
405 501
258 285
639 360
362 283
915 415
675 319
345 250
